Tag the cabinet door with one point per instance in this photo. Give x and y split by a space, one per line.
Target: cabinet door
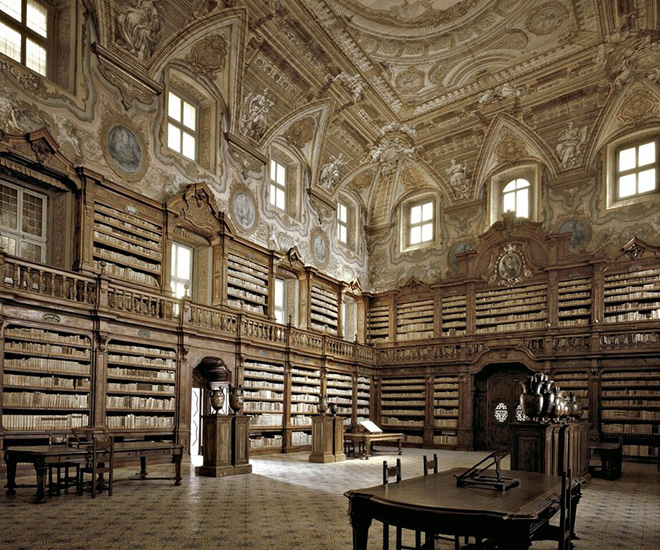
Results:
496 399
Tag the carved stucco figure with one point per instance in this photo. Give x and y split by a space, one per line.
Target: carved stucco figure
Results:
458 179
254 122
139 28
331 172
354 84
571 141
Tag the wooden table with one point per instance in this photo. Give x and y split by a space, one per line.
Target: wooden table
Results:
611 455
43 455
434 504
366 439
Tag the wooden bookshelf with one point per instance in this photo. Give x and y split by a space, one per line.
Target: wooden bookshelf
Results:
340 392
445 404
46 379
379 322
324 308
633 296
363 405
414 320
131 247
454 315
574 302
511 309
263 394
630 409
141 386
305 396
403 406
247 283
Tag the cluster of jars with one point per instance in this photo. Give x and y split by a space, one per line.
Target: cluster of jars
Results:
543 401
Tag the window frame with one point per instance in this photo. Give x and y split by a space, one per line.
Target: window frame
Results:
18 233
618 173
410 225
274 185
342 223
26 33
174 278
528 189
530 171
180 125
276 307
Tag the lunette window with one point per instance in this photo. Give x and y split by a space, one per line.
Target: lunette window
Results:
182 270
515 197
23 222
181 126
277 188
25 33
420 223
637 169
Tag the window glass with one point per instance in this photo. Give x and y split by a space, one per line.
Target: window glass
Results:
516 197
24 32
11 8
37 18
342 223
277 190
23 215
279 300
181 126
637 169
181 270
421 223
10 42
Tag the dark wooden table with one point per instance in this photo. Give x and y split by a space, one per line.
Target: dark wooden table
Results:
434 504
43 455
611 456
365 440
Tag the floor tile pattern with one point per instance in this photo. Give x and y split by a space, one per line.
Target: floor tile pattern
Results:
287 503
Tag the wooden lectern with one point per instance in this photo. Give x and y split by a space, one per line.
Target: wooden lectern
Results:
327 439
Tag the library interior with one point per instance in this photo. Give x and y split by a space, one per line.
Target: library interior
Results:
330 274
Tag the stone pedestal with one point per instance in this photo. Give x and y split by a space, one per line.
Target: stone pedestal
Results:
226 446
327 439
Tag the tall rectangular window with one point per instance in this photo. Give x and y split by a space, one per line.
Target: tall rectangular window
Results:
279 300
182 270
25 33
342 223
181 126
23 222
637 169
277 189
421 223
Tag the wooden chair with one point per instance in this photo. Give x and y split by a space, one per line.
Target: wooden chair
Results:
565 512
431 464
100 461
66 472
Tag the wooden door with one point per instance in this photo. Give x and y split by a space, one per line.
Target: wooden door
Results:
497 394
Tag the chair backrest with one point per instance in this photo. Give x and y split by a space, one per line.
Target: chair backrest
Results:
431 464
391 471
565 512
59 438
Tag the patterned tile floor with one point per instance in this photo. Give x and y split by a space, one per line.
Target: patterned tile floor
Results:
288 503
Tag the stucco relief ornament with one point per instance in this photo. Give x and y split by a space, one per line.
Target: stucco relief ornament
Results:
569 148
139 28
331 172
256 107
504 91
66 134
354 84
395 145
510 267
458 179
642 62
207 57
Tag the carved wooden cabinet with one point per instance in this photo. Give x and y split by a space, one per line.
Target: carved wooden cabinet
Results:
539 447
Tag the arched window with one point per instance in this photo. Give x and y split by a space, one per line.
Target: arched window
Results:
515 197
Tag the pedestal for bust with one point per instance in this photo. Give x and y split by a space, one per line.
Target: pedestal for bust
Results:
226 446
327 439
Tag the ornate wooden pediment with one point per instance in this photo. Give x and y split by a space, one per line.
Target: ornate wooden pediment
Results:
637 249
414 286
196 211
292 260
37 156
353 287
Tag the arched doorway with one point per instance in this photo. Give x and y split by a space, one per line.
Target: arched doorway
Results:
496 398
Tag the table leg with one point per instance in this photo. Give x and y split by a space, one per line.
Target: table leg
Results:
177 469
367 449
40 468
399 441
360 532
143 467
11 476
